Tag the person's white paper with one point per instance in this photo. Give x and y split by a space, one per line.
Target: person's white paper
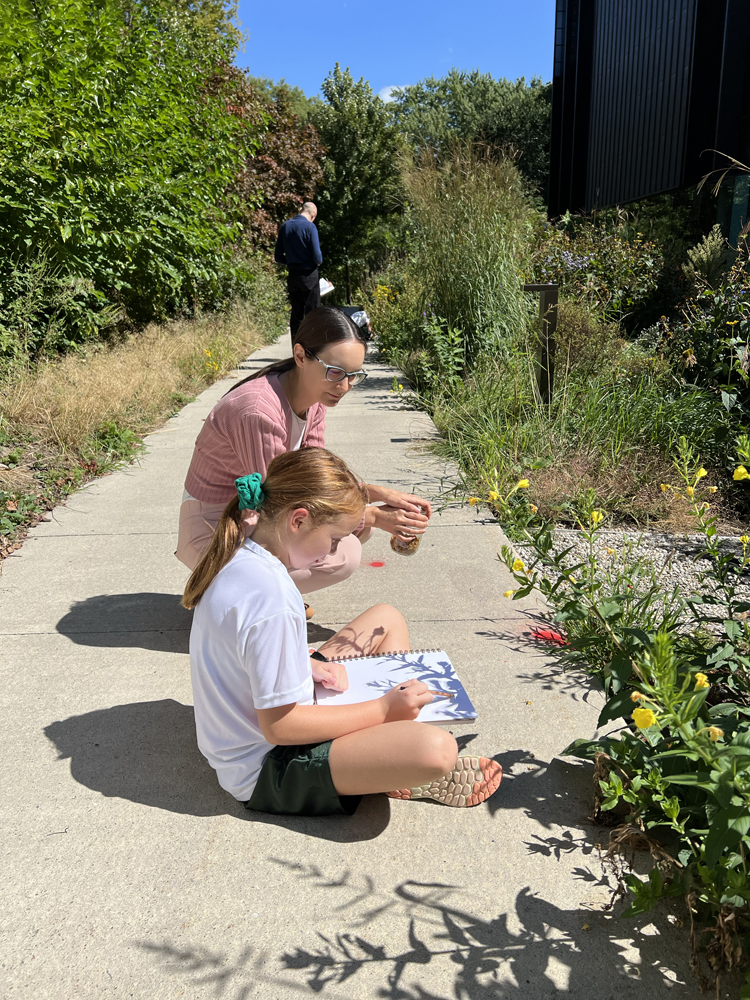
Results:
372 676
325 286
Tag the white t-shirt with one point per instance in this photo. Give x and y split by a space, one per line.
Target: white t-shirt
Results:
248 650
298 431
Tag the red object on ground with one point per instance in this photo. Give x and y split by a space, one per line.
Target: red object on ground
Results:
547 635
377 564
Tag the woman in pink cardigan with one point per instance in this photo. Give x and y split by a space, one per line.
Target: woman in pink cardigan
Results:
282 408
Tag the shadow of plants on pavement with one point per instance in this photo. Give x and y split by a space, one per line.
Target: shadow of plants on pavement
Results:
425 941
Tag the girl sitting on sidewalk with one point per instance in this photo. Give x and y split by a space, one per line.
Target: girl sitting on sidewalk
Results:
282 408
257 725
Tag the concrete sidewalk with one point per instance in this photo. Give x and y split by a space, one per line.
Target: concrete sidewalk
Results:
127 872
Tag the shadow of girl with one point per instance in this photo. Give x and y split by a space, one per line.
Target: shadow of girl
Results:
146 752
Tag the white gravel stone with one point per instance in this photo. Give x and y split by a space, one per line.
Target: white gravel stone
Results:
677 559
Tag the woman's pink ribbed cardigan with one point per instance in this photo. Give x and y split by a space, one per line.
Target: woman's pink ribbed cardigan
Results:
243 433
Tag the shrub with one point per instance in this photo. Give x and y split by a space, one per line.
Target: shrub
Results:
43 311
117 143
710 342
676 669
596 266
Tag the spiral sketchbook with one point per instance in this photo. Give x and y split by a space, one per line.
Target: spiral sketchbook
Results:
372 676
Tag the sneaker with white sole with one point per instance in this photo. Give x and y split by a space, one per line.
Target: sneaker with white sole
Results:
472 780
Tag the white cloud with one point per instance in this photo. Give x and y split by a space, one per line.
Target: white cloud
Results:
386 94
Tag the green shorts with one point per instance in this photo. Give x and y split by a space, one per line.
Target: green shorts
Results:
296 781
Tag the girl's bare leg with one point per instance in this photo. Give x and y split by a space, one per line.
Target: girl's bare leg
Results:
380 629
394 755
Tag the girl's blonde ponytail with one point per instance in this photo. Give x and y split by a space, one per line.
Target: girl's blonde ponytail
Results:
227 538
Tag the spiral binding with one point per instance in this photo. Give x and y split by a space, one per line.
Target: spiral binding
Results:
374 656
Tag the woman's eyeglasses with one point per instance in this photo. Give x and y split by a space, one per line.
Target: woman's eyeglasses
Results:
334 374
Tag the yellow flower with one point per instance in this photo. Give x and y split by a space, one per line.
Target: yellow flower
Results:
518 566
473 501
637 696
715 733
701 681
493 495
644 718
712 489
689 490
522 484
572 579
509 593
597 516
533 507
745 539
664 487
732 322
740 473
701 473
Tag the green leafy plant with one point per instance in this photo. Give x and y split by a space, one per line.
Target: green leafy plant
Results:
598 266
118 143
676 670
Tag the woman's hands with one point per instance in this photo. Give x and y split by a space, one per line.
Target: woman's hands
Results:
401 514
330 675
403 702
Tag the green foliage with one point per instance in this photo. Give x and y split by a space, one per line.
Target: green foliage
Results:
474 107
591 263
116 154
42 311
287 169
274 91
470 228
677 670
361 185
710 343
707 260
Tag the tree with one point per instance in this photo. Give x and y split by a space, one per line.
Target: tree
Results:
361 171
270 91
118 142
476 107
287 168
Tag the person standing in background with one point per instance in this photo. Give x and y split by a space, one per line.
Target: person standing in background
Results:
298 247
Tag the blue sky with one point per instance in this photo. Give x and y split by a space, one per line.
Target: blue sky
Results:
396 43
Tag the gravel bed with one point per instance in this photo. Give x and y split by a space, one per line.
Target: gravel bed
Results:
676 558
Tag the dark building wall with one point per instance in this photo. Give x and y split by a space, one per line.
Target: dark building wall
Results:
641 88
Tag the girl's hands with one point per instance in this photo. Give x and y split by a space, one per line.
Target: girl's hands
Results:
330 675
403 702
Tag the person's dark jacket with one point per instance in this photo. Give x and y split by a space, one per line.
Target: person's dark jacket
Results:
298 244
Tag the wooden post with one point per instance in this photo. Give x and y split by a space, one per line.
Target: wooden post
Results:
548 297
348 284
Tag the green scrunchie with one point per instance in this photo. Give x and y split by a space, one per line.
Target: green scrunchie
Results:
250 491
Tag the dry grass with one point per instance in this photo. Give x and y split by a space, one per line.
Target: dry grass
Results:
134 385
67 420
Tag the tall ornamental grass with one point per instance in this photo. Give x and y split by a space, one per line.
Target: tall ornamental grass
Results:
471 229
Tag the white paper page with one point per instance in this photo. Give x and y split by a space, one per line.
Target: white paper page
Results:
372 677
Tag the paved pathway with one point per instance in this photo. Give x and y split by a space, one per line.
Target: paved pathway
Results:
127 872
